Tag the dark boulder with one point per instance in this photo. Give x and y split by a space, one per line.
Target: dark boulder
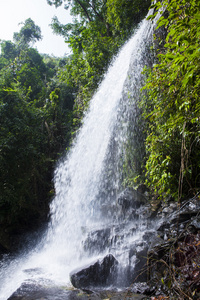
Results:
97 240
176 219
3 250
33 291
100 274
131 198
138 270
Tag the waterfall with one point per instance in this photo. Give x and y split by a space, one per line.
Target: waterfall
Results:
87 180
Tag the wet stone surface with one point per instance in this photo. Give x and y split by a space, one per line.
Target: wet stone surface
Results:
99 274
31 291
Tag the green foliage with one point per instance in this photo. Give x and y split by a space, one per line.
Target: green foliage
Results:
20 155
94 37
8 50
32 136
30 72
123 14
172 107
35 127
28 33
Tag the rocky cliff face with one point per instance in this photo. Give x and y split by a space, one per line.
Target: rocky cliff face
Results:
165 261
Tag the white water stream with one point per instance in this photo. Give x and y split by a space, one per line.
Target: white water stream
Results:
78 182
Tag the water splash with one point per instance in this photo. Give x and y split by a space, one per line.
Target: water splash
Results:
87 180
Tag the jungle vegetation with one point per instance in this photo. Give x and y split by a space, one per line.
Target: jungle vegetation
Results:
171 106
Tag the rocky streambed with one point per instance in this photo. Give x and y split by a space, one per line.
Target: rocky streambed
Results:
29 291
164 263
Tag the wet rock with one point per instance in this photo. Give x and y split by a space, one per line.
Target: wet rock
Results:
176 242
3 250
183 212
142 288
138 272
100 274
97 240
131 198
195 223
143 189
157 253
37 292
176 221
156 242
31 291
149 236
109 210
133 205
176 258
167 210
108 238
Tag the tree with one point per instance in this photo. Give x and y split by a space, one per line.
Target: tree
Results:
30 71
21 157
123 14
35 127
29 33
94 40
9 50
89 11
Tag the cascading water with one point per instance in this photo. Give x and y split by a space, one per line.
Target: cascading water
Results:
87 180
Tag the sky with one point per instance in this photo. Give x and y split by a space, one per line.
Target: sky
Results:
13 12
